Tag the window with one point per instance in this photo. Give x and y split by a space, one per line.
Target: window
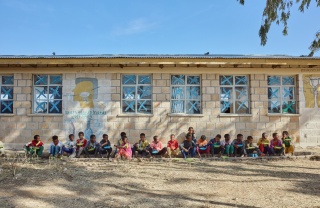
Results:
281 94
6 98
185 94
47 94
234 94
136 94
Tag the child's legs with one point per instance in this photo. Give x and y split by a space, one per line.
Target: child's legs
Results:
184 154
169 151
250 151
163 151
79 151
52 150
261 147
67 150
192 151
40 151
109 152
289 149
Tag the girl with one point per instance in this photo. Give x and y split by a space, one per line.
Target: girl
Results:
124 149
264 143
193 135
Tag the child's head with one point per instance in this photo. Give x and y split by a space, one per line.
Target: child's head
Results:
189 137
81 135
227 137
155 139
285 134
203 137
125 139
123 134
36 137
191 130
71 137
218 137
264 135
250 139
239 136
105 137
143 136
275 135
55 140
93 138
172 137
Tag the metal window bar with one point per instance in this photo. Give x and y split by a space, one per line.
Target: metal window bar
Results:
40 104
132 104
185 105
237 83
6 104
283 84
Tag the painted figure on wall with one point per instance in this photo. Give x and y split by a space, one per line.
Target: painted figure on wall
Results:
85 91
311 88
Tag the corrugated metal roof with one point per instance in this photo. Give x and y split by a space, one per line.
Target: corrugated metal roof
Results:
164 56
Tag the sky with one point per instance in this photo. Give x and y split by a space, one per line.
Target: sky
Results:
78 27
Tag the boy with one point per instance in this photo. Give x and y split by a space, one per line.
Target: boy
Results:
92 147
287 141
172 146
1 148
188 147
216 146
202 146
276 147
35 146
69 146
105 146
226 144
156 147
81 144
238 145
249 148
55 147
141 147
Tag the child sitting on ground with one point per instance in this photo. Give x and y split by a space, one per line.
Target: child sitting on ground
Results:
92 147
188 147
264 143
124 150
119 142
142 147
226 144
287 142
172 146
35 146
238 145
202 146
55 149
276 147
81 144
105 146
249 148
216 146
69 146
2 152
156 147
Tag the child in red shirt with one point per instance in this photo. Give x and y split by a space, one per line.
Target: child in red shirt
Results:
81 143
172 146
35 146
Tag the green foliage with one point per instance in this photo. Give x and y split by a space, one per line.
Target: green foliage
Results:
278 11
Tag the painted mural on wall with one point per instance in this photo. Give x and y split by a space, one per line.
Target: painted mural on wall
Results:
311 88
85 108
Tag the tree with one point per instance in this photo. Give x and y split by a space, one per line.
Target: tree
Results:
278 11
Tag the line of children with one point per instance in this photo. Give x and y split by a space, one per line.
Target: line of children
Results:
188 147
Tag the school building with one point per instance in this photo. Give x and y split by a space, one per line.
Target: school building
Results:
158 95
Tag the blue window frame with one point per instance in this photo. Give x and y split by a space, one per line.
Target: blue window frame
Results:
234 94
47 94
6 98
186 94
282 95
136 94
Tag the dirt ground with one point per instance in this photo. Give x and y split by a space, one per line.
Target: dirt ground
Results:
160 183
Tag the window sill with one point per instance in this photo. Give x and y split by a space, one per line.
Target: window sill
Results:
135 115
234 115
7 115
45 115
184 115
283 115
